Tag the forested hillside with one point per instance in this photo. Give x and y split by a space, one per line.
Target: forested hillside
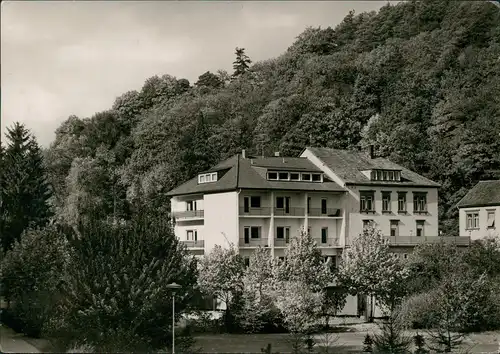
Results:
419 80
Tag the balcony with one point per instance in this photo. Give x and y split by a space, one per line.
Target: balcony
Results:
194 243
189 214
253 242
329 212
294 211
264 211
418 240
330 242
281 242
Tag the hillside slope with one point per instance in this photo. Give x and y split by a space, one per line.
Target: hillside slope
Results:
419 80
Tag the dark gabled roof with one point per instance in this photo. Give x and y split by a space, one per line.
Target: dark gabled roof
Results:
348 166
285 163
240 173
485 193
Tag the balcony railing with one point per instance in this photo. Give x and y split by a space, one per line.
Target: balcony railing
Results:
264 211
417 240
194 243
253 242
330 242
322 212
292 211
189 214
281 242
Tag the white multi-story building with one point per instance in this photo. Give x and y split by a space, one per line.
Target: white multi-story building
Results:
263 201
479 211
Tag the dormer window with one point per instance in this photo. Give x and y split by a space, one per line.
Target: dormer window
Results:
283 176
207 177
383 175
294 176
306 177
272 175
316 177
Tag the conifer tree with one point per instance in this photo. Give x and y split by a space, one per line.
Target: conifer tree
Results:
242 62
24 190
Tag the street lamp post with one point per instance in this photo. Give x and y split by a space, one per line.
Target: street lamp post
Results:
173 287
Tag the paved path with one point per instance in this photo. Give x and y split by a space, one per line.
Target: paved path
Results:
12 342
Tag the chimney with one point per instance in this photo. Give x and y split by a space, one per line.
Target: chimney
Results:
372 152
277 153
243 154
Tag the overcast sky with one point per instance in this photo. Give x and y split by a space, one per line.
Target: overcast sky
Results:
63 58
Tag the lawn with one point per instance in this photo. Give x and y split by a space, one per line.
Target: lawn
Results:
344 342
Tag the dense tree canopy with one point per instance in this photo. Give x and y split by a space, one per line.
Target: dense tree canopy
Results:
419 80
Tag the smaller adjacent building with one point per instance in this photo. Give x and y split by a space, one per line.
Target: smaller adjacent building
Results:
479 210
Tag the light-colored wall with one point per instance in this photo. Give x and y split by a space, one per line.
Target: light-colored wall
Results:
483 231
354 219
333 225
221 220
181 229
179 203
407 222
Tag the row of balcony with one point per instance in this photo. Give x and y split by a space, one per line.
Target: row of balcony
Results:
332 242
266 211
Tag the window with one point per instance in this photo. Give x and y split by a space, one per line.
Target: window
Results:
397 175
384 176
192 235
272 175
366 201
373 175
280 202
419 202
247 234
191 205
386 201
420 228
473 220
323 206
283 203
308 204
401 202
316 177
324 234
247 261
283 176
394 228
283 232
367 223
207 177
294 176
251 232
391 175
255 202
490 219
379 175
306 176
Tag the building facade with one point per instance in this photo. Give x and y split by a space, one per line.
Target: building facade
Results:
479 211
264 201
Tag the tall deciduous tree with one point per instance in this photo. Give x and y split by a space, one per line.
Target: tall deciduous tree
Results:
242 62
24 189
304 263
221 275
369 268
